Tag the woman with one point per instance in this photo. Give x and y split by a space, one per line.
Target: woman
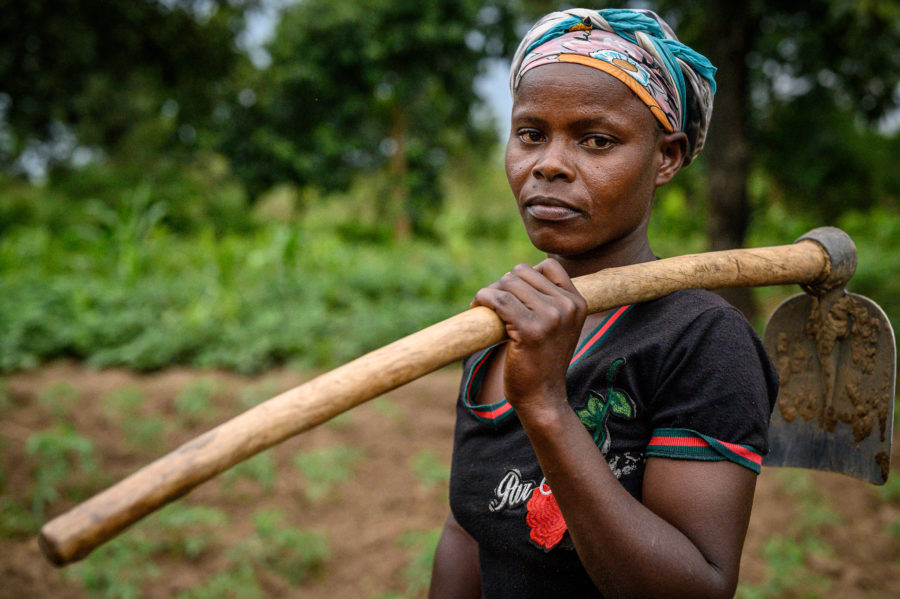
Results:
616 454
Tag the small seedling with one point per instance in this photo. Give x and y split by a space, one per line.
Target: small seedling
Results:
143 432
194 403
17 521
421 545
187 530
118 569
291 553
57 453
260 468
60 399
429 469
890 491
341 420
786 554
239 580
388 408
323 468
255 394
124 403
5 399
813 507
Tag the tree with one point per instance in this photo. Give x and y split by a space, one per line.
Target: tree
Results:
365 87
97 70
826 65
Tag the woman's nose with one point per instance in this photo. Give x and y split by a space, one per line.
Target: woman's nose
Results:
554 163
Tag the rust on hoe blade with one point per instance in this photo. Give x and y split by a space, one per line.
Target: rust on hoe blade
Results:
835 354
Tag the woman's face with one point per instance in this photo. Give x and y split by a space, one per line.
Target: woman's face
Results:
583 159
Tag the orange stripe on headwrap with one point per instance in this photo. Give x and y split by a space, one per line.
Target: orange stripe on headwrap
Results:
611 69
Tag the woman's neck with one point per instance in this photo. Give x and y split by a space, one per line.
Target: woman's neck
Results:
633 249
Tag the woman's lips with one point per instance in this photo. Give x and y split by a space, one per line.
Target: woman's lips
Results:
550 210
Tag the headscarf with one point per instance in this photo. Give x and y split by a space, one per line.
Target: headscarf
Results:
638 48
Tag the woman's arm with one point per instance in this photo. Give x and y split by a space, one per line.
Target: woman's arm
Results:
685 539
455 574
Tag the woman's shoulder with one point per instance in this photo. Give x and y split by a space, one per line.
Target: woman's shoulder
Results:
685 307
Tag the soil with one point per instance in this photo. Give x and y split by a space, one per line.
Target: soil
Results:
366 517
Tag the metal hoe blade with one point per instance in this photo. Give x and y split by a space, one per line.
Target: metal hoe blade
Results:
836 357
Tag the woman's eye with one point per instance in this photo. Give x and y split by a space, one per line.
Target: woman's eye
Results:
531 136
596 141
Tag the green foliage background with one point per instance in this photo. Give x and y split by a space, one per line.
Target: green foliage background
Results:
229 214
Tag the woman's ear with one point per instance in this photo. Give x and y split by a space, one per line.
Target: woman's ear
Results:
672 150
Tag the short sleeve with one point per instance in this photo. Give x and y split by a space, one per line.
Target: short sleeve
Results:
715 393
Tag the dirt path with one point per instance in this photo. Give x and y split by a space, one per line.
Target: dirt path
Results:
811 534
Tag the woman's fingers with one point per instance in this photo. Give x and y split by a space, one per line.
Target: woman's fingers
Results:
556 274
535 300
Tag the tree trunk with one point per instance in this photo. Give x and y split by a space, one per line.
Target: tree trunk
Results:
398 168
731 31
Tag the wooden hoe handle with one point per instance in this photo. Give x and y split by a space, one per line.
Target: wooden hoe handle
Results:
74 534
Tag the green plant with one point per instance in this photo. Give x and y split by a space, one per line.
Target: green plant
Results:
121 568
123 403
342 420
429 468
421 545
194 402
237 582
187 530
260 468
118 569
890 490
814 509
60 398
291 553
16 520
5 399
325 467
788 574
388 408
786 554
143 432
58 454
257 393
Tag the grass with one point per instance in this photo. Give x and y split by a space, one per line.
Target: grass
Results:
123 403
429 469
324 468
388 408
293 554
238 581
786 554
194 403
5 399
260 468
187 531
254 394
121 568
122 407
421 545
60 398
64 464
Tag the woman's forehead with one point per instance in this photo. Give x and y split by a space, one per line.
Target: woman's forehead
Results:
576 88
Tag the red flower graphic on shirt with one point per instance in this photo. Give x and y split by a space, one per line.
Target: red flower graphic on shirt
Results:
544 518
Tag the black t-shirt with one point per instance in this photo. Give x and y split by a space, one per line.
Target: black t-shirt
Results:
683 377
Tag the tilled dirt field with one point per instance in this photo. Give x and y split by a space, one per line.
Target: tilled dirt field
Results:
811 534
